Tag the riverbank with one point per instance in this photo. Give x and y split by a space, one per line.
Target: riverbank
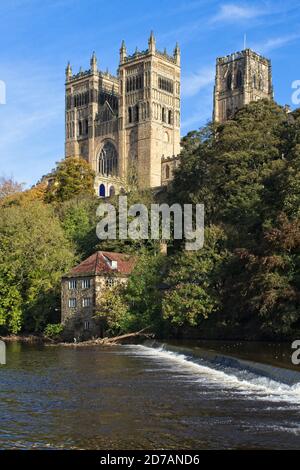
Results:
33 339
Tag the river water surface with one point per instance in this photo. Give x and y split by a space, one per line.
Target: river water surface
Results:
140 397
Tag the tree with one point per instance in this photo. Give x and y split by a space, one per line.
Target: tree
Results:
34 253
195 281
9 186
73 176
231 168
246 172
273 278
114 308
78 219
143 295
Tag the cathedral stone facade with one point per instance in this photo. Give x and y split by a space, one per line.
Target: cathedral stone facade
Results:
126 126
241 77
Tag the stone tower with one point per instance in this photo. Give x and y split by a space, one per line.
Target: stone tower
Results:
126 126
241 77
149 110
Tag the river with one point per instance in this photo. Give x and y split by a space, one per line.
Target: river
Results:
182 396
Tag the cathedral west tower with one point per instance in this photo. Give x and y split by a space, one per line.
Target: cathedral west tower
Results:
126 126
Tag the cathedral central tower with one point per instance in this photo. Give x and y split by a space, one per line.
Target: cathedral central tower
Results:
241 77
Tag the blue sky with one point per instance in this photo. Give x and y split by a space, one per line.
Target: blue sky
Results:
38 37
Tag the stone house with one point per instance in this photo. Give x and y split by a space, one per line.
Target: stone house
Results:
81 291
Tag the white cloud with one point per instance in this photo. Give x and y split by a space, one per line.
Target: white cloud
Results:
231 13
274 43
196 81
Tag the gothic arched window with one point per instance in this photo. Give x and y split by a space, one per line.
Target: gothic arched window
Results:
129 115
229 81
239 79
102 190
167 172
108 160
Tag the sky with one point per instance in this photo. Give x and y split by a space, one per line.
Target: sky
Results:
39 37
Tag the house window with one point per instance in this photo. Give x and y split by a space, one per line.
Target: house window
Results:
72 284
86 302
86 283
86 325
110 282
72 303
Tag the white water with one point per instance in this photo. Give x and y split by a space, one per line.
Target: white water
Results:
229 379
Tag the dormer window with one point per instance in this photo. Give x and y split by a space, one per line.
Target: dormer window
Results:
111 263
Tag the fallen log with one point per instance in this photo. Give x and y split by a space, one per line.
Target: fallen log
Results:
109 341
119 339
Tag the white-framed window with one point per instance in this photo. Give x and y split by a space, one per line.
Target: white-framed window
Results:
86 302
86 325
72 303
86 283
72 284
110 282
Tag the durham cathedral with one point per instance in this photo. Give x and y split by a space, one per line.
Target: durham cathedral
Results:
128 126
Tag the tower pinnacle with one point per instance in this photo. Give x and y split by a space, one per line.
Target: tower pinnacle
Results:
152 42
177 53
68 71
123 52
93 62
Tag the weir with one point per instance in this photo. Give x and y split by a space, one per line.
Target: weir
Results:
263 380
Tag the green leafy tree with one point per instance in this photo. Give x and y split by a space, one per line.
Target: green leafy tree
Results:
195 281
73 176
144 294
34 253
78 219
114 308
10 302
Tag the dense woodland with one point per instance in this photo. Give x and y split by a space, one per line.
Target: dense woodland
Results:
244 282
